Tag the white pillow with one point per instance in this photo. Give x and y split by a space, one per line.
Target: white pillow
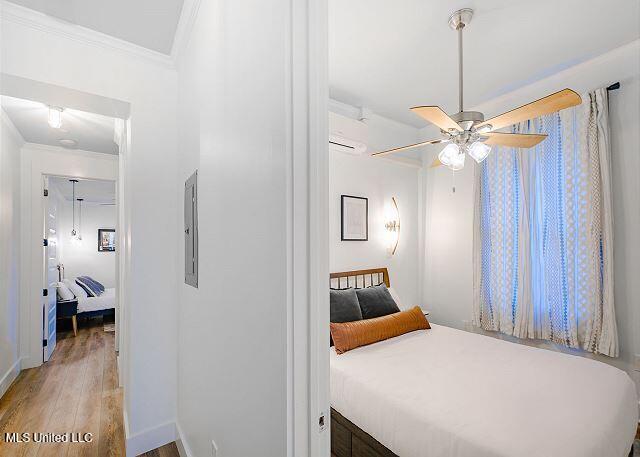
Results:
64 292
396 299
76 289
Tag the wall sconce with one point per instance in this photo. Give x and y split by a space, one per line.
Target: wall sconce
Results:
393 227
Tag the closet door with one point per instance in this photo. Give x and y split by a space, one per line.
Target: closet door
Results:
50 273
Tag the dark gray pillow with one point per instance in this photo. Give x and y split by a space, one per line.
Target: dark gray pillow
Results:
376 301
344 305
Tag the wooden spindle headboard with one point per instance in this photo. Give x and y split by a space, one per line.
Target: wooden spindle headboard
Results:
359 278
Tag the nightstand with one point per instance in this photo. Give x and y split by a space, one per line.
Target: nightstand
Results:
66 309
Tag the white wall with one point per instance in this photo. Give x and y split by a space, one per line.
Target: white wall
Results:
232 339
10 142
55 53
378 179
236 103
82 258
448 275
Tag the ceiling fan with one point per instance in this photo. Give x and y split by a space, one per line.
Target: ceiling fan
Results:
467 132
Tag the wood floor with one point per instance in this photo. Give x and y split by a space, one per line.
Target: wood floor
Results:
168 450
76 391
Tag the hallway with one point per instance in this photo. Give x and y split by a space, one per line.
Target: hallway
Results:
76 391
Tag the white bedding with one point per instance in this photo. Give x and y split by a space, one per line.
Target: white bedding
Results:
448 393
106 300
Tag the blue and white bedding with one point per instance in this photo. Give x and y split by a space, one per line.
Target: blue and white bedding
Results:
92 287
105 300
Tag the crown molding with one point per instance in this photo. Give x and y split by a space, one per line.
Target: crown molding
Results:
36 20
602 70
13 130
76 152
186 22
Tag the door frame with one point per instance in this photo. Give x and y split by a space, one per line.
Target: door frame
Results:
46 256
39 161
308 233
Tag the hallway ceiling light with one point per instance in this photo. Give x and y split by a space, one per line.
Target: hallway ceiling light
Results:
467 131
55 117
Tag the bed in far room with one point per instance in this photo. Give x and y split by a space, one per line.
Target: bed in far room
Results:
105 301
449 393
84 297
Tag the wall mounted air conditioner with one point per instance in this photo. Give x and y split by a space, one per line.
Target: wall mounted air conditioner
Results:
347 135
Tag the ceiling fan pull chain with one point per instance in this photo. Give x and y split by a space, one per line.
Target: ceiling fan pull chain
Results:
453 181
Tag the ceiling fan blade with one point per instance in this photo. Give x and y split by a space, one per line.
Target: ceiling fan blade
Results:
436 163
437 117
514 140
402 148
565 98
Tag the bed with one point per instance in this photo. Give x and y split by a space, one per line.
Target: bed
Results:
80 305
105 301
446 392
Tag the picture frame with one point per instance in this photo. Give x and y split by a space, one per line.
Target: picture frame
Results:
106 240
354 218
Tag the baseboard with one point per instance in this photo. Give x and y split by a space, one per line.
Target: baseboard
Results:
181 443
10 376
149 439
30 362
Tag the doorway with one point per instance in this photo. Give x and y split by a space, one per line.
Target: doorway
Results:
58 140
79 256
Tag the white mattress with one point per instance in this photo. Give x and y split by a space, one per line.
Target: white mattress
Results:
448 393
106 300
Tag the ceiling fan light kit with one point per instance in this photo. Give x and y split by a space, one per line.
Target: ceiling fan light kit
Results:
467 132
452 157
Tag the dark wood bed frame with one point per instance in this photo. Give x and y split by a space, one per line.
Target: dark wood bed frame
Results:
347 439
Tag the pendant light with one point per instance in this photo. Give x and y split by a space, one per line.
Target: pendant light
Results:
80 200
73 206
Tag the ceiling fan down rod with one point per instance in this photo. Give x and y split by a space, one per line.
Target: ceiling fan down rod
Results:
460 81
458 21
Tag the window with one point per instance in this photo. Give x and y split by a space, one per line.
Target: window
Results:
543 260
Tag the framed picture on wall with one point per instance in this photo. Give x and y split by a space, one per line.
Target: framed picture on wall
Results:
354 218
106 240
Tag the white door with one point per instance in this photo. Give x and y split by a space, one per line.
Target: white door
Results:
50 273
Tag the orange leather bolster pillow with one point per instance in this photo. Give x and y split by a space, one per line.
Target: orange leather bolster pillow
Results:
350 335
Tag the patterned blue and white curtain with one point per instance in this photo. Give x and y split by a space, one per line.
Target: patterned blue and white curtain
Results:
543 260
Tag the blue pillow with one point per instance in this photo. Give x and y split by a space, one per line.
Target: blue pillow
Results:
89 286
96 285
85 287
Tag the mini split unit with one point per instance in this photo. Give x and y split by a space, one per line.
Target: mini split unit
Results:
347 135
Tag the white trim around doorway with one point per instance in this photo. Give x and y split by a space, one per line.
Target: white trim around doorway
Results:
37 161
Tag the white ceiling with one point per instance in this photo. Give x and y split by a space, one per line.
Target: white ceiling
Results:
391 55
93 132
93 191
148 23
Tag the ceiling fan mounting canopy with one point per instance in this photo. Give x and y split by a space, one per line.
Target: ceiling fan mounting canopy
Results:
467 132
461 18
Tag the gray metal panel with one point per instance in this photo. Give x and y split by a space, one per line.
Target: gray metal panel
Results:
191 230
